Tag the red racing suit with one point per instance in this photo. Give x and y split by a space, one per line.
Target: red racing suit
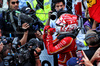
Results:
64 47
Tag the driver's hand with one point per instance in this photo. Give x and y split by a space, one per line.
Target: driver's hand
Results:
25 25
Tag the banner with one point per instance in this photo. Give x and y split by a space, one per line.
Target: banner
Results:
94 9
78 8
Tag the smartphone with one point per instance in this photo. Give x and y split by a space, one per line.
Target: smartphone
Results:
79 54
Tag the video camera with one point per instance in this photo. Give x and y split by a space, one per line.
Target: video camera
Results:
18 17
6 40
23 53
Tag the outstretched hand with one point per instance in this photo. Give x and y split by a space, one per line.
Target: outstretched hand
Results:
85 61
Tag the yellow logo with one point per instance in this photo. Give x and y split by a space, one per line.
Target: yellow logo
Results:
90 3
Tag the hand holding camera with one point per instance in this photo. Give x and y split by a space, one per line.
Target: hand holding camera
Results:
25 25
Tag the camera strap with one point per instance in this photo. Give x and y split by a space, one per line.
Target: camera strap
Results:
12 21
37 52
19 21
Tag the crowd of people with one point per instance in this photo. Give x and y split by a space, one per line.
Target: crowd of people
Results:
59 35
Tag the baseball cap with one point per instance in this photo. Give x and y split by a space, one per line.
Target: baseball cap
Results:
72 61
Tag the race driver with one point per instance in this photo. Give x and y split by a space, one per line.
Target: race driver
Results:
64 44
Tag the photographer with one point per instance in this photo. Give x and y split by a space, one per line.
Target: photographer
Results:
8 30
31 60
56 6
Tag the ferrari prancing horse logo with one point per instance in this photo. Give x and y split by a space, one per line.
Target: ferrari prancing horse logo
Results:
90 3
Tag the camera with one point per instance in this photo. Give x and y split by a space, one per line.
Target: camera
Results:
53 15
17 17
6 40
56 14
20 55
34 43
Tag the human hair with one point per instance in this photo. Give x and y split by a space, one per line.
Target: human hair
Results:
57 1
92 38
54 2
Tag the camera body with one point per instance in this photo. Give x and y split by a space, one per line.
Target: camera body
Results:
53 15
56 14
8 61
18 17
22 54
6 40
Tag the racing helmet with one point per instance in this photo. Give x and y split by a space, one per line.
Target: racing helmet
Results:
66 23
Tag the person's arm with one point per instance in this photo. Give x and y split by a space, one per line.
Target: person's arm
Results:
25 35
85 61
1 46
94 24
62 44
96 56
48 21
24 38
38 62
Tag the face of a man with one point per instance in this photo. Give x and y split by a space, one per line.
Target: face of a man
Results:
14 4
59 5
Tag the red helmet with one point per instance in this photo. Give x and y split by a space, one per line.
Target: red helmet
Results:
66 22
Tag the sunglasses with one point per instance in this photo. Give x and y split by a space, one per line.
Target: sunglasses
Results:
17 2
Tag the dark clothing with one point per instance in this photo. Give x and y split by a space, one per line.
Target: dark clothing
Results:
26 64
89 53
1 63
7 28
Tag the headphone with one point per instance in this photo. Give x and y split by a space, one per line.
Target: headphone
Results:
87 41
